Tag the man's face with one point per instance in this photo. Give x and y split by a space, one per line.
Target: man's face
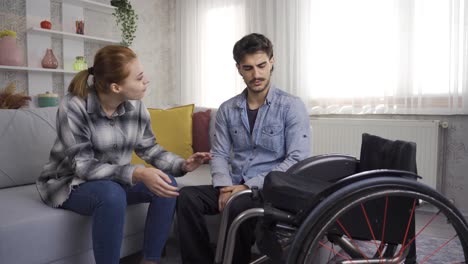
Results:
255 69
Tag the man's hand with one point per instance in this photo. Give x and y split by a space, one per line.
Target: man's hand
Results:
226 192
223 198
195 160
157 181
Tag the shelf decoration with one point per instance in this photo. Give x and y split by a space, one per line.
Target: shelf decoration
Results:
79 25
47 99
126 19
10 53
80 64
49 61
11 100
46 24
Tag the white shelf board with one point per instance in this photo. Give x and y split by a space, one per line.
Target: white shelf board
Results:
21 68
91 5
68 35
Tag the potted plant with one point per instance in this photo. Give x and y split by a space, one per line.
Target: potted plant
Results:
126 19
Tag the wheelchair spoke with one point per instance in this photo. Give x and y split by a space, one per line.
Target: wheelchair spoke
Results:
351 239
378 247
384 225
422 229
437 250
332 250
408 226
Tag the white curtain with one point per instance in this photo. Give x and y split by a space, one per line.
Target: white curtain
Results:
339 56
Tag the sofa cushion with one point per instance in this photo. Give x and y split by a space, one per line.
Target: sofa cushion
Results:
200 176
26 137
212 120
172 129
31 230
201 131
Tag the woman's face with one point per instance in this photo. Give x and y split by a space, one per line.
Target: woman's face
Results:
134 86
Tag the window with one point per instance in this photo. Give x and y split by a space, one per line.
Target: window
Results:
339 56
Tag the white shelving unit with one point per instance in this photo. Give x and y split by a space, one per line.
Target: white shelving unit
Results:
91 5
17 68
40 80
68 35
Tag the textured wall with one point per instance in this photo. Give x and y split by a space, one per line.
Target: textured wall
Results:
456 168
155 46
13 17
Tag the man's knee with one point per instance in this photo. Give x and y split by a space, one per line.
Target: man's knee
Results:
187 197
242 203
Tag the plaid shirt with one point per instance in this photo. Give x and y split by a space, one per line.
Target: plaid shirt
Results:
91 146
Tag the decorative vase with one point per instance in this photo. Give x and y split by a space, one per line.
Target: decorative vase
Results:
10 54
80 64
49 61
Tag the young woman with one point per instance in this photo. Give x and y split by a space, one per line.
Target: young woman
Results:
89 170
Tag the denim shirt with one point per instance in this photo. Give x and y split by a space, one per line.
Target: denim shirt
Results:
280 138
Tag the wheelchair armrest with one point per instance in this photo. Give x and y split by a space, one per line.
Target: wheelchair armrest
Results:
377 173
330 167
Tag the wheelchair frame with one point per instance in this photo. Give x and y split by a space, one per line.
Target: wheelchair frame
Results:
325 201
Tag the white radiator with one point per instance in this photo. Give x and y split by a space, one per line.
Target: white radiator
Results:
337 135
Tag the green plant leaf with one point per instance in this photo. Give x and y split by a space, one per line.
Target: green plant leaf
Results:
126 20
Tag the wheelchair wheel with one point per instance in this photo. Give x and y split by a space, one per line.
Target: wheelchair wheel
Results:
382 220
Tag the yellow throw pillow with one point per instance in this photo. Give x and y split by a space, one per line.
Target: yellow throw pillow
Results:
173 130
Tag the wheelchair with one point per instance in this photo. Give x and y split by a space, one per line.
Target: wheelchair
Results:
338 209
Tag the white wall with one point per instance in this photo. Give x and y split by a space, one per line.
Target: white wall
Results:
155 46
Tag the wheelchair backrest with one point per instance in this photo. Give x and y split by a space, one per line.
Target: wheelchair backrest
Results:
381 153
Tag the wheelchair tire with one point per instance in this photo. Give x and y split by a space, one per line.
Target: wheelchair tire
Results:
312 235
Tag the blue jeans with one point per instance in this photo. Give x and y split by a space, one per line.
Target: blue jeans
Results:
105 201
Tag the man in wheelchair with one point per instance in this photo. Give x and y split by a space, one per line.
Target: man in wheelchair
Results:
263 129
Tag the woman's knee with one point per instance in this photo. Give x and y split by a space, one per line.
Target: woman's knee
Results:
173 180
112 194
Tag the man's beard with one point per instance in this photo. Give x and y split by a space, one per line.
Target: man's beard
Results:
251 85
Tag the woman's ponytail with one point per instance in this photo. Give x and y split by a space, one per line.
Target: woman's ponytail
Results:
79 85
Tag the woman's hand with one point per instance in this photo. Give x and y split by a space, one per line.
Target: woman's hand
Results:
157 181
195 160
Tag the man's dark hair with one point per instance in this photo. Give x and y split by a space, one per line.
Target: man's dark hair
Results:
250 44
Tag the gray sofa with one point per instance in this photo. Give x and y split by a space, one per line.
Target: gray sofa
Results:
30 231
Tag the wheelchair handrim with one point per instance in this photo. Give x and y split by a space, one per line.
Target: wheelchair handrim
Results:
368 190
